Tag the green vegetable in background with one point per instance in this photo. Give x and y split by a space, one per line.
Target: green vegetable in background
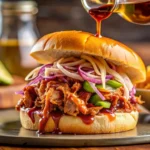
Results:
5 76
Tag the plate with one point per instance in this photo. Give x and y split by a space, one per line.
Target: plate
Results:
12 133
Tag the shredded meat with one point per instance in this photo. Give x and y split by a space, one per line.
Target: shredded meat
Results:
79 102
119 103
85 96
76 87
64 88
70 108
19 104
56 98
29 96
70 98
38 103
94 110
81 105
42 88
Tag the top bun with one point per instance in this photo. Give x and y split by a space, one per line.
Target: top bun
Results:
74 43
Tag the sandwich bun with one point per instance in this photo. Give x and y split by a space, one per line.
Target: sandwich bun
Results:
71 124
74 43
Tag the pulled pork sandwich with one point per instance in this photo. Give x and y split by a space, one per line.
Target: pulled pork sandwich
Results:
86 85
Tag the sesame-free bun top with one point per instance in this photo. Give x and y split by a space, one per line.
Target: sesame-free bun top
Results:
74 43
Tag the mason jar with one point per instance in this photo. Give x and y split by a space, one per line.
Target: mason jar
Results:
18 33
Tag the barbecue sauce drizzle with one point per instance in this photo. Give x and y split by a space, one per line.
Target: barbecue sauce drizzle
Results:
111 116
30 113
99 14
87 119
56 115
45 117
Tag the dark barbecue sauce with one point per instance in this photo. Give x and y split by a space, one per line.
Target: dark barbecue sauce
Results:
56 115
30 113
42 124
109 113
100 14
120 104
45 117
87 119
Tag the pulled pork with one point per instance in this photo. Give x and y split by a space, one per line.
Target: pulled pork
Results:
71 98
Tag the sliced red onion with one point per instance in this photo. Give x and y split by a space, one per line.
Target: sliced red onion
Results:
39 76
133 91
132 95
64 79
97 91
35 81
109 76
68 73
53 76
90 71
87 69
85 76
43 68
19 92
41 71
33 74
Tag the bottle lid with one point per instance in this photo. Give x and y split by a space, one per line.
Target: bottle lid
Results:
11 7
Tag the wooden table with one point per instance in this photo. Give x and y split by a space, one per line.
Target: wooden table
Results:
134 147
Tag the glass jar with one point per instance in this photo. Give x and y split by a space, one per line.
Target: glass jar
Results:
134 11
18 33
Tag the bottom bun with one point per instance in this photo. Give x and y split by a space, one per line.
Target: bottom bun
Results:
70 124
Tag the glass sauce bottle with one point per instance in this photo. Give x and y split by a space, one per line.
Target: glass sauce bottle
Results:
18 33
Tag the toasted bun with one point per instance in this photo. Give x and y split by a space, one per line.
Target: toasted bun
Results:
74 43
70 124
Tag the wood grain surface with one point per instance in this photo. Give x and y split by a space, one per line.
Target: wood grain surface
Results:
134 147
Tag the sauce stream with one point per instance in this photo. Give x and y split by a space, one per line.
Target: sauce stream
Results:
56 116
100 14
30 113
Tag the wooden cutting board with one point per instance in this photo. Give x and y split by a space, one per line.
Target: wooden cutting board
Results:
8 98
